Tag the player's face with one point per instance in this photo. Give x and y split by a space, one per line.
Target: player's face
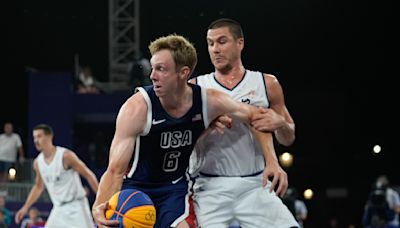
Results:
40 139
163 74
223 48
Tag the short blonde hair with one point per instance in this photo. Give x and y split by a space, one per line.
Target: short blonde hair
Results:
182 50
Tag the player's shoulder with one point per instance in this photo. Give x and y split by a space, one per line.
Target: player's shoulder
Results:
270 77
69 155
67 152
136 101
36 163
203 77
211 74
266 76
271 80
133 112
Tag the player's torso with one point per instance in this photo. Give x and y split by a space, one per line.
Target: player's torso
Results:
234 153
62 185
162 153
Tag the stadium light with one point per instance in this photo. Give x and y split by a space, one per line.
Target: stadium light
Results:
286 159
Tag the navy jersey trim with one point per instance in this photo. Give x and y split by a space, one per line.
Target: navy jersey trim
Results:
265 89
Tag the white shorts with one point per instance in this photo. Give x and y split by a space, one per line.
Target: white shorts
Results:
220 200
73 214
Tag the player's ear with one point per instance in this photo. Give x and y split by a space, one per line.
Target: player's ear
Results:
184 72
240 43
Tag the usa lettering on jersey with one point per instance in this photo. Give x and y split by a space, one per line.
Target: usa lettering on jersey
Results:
175 139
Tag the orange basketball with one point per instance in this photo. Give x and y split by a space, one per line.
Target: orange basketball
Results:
132 208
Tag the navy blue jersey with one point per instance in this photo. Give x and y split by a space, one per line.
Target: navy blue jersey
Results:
163 150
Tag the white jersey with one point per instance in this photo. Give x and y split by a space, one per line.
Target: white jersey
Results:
9 145
63 186
236 152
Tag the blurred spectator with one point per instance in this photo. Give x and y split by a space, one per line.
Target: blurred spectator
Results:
139 71
333 222
10 146
383 206
86 81
2 223
6 215
295 205
33 220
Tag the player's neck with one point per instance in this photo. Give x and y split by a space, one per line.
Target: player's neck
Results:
230 77
177 104
235 70
49 151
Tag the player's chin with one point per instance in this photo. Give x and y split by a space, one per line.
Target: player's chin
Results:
159 93
222 66
218 63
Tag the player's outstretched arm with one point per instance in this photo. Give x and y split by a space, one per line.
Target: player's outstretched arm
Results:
272 168
220 103
130 123
34 194
71 160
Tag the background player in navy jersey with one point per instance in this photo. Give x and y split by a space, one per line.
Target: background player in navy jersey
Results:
156 130
233 165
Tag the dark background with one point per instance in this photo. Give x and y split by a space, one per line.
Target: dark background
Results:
336 61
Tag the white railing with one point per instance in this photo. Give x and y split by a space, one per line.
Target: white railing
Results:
18 192
20 182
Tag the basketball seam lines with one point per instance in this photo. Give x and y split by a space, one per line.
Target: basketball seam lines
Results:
131 218
123 204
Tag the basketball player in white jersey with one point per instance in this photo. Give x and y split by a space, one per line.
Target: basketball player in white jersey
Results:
58 169
232 182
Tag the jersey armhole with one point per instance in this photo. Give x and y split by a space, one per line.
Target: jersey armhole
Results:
205 107
265 89
146 97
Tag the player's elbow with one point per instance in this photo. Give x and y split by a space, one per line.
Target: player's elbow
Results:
39 186
116 170
91 177
284 140
289 141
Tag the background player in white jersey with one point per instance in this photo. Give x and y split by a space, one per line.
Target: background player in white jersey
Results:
156 130
58 170
233 165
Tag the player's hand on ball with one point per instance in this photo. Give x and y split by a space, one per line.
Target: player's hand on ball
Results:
100 219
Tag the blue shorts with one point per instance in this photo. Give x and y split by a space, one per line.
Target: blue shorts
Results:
5 166
170 200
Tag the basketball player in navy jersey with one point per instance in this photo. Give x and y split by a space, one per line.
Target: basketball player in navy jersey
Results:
156 130
233 165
